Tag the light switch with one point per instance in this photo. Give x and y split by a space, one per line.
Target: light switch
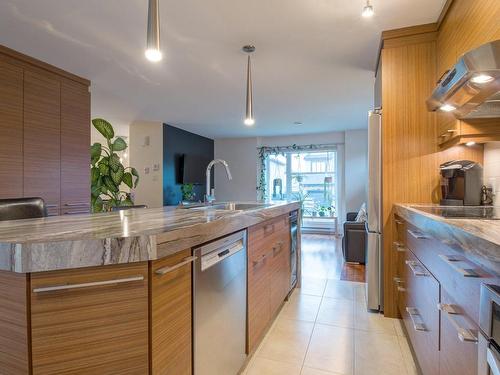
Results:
156 167
146 170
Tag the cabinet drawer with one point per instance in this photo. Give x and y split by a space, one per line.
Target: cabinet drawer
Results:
460 277
421 315
171 314
259 297
268 228
459 335
279 271
90 321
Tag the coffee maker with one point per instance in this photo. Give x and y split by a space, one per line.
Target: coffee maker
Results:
461 183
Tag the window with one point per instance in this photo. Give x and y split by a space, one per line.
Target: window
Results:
309 176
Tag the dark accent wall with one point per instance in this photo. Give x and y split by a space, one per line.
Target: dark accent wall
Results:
178 142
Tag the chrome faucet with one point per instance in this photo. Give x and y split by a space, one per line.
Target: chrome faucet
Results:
210 195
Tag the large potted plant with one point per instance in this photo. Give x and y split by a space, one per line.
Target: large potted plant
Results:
108 175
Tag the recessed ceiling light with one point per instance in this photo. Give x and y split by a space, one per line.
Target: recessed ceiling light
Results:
482 78
367 10
470 143
447 108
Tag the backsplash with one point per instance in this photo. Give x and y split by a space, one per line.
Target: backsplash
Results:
492 168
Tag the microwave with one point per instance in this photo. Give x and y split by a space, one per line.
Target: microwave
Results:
489 324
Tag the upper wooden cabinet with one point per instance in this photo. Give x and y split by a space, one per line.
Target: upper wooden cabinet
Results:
11 130
75 141
42 146
44 134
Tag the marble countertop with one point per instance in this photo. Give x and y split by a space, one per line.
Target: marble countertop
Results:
63 242
477 239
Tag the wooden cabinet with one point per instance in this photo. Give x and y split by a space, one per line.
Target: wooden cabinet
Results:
90 321
439 302
459 352
42 144
422 322
268 274
75 141
11 130
44 134
171 315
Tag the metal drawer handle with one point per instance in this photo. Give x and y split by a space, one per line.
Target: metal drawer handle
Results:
87 285
167 269
493 362
413 264
417 235
76 212
452 262
399 284
269 228
464 334
51 205
77 204
401 248
417 326
260 260
277 249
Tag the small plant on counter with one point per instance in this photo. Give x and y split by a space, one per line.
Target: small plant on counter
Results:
107 173
188 193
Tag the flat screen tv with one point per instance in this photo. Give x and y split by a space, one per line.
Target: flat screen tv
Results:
193 169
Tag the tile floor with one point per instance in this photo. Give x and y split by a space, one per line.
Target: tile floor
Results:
325 329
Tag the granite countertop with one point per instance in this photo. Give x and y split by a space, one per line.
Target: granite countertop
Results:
478 239
63 242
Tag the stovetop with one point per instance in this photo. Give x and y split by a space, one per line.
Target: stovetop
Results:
464 212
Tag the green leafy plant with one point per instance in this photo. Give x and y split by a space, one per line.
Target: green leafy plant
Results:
108 173
188 193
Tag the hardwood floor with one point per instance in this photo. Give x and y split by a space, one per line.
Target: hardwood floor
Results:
322 257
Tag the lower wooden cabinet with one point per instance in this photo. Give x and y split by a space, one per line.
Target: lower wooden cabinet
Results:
268 275
438 299
459 351
90 321
171 315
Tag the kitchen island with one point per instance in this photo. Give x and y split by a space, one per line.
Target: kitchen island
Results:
111 293
443 257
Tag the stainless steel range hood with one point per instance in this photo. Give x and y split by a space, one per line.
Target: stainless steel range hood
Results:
471 89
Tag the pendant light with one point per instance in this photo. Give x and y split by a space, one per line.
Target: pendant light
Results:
367 10
249 119
153 52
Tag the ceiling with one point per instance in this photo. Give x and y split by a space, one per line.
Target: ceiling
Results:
314 60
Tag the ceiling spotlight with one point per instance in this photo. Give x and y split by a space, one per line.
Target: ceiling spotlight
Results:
447 108
482 78
249 119
470 143
367 10
153 52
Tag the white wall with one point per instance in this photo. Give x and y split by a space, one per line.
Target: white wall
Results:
148 160
356 168
492 168
241 154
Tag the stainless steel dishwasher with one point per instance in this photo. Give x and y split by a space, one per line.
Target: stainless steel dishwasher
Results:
220 290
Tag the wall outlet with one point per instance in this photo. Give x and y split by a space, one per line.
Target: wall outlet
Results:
146 170
156 167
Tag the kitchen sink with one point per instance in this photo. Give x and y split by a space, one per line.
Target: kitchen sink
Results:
230 206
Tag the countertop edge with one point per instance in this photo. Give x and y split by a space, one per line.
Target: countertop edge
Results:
31 257
476 245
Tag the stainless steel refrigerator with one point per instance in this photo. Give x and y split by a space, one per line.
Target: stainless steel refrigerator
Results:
374 252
